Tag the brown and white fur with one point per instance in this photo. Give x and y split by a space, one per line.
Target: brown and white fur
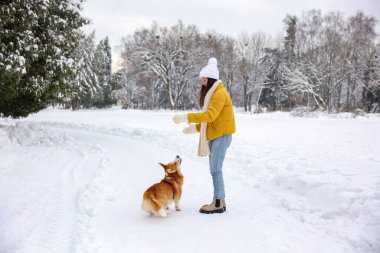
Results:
157 197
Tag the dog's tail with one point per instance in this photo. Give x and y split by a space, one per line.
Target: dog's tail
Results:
151 205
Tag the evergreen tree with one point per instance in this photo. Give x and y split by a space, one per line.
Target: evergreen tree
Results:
273 95
371 87
85 85
102 68
290 38
118 79
37 44
107 74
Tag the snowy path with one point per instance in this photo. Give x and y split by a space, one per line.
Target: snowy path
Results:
43 190
280 198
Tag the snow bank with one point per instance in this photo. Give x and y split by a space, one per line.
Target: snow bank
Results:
326 199
51 183
306 112
29 134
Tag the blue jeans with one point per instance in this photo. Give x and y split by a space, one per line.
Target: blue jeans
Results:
218 148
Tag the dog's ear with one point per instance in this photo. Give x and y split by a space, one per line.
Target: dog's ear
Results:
163 165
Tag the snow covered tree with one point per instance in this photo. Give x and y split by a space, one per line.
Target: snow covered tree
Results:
91 85
371 82
107 89
38 39
301 81
169 59
273 95
81 91
118 79
361 36
333 66
290 38
102 68
244 67
250 52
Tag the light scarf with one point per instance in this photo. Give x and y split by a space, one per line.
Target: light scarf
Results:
203 148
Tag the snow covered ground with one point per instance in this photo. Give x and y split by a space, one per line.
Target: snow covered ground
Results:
73 182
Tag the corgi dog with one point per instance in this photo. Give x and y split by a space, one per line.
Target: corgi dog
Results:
157 197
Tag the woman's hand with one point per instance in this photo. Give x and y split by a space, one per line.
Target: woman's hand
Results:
178 118
191 129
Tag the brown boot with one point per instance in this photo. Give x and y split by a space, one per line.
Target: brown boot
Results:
223 201
215 207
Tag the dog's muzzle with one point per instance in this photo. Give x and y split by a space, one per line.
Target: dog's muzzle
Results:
177 158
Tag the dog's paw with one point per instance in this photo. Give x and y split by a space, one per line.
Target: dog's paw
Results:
178 209
162 212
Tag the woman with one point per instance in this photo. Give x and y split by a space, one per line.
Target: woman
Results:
216 125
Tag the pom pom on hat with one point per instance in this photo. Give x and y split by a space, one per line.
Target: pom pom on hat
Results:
211 70
212 61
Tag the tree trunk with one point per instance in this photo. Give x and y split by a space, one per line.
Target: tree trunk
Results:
339 95
250 93
348 93
258 99
245 93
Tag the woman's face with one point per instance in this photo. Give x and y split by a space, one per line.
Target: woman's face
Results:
203 81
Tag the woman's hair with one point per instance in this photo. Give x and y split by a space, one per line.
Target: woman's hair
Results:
205 89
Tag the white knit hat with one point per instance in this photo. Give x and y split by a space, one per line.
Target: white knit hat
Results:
211 70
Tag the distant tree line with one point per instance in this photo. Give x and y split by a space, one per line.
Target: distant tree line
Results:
324 62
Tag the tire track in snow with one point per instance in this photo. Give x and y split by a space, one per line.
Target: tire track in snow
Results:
86 179
86 200
55 232
62 197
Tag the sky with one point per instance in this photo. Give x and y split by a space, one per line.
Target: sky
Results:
118 18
